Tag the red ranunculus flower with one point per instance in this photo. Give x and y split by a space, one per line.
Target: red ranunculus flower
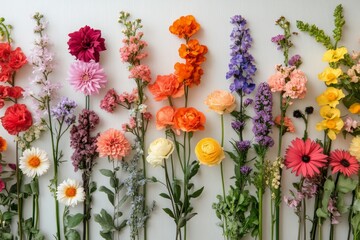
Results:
5 72
4 52
15 92
86 44
17 118
17 59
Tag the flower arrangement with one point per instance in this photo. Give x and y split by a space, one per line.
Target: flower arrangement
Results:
177 120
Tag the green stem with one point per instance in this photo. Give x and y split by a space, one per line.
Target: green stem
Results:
18 192
320 230
299 228
304 217
260 197
272 217
350 214
222 172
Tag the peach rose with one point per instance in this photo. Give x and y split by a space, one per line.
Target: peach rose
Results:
166 86
165 117
221 101
189 119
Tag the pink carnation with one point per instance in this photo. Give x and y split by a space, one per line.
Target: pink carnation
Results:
110 101
296 87
87 77
141 72
113 144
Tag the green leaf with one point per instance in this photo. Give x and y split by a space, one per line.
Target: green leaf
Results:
72 235
109 194
114 182
355 222
321 213
169 212
177 192
92 187
106 172
106 235
183 220
34 187
6 236
122 225
27 189
105 220
7 216
345 184
194 169
164 195
74 220
39 236
197 193
356 206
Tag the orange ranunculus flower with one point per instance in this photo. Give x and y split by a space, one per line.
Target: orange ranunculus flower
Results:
185 27
165 117
221 101
183 71
166 86
189 119
195 78
193 52
3 145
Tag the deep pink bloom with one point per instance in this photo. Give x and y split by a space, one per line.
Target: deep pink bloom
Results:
113 144
2 185
110 101
305 157
342 161
86 44
87 77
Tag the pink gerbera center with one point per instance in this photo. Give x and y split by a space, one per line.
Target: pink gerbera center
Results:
345 162
306 158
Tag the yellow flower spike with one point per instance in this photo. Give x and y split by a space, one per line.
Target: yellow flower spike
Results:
328 112
334 55
330 75
330 97
355 108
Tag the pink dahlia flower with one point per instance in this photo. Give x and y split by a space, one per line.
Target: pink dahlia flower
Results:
87 77
113 144
305 157
342 161
86 44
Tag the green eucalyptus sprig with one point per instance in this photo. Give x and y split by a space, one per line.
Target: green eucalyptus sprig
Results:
70 223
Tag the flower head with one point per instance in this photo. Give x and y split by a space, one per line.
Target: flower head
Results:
355 108
288 124
64 111
160 149
113 144
110 101
3 145
332 122
17 118
334 55
185 27
330 97
221 102
166 86
305 157
295 88
87 77
34 162
341 161
86 44
189 119
165 117
354 148
330 75
141 72
70 193
209 152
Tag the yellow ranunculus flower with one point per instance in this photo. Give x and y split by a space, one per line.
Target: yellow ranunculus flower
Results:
330 97
209 152
334 55
330 75
355 108
332 122
354 148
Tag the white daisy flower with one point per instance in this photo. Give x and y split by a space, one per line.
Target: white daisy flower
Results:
70 192
34 162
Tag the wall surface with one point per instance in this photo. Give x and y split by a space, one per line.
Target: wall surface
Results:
157 15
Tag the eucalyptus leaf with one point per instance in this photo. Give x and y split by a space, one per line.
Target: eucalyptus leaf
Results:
72 235
109 193
169 212
106 172
74 220
346 184
105 220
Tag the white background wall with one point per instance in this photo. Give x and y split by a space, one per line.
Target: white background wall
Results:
67 16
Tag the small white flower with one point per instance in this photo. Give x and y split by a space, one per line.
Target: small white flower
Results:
142 108
70 192
34 162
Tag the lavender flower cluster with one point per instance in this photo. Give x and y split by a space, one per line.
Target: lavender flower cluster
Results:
241 67
64 111
82 142
263 120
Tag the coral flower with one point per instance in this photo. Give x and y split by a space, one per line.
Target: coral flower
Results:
165 117
342 161
70 192
221 101
17 118
288 124
305 157
3 145
330 75
296 87
113 144
87 77
86 44
185 27
330 97
189 119
34 162
334 55
166 86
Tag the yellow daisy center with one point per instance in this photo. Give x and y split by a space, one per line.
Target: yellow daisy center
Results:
70 192
330 124
34 161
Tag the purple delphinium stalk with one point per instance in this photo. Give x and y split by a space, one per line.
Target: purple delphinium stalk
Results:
237 125
81 141
263 120
241 66
243 145
64 111
245 170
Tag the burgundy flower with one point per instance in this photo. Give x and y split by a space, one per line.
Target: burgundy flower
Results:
86 44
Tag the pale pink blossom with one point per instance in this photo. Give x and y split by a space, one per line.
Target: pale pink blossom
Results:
296 87
141 72
350 124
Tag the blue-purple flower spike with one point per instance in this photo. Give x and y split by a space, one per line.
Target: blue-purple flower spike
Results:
263 119
241 66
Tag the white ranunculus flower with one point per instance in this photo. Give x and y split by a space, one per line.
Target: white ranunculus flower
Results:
159 150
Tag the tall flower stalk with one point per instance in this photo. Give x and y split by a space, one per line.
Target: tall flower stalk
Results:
291 84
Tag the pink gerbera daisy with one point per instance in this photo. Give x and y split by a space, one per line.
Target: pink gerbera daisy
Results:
305 157
342 161
113 144
87 77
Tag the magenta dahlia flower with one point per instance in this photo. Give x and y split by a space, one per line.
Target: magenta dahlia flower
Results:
342 161
305 157
87 77
86 44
